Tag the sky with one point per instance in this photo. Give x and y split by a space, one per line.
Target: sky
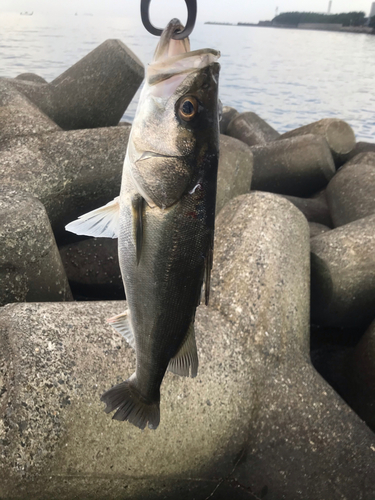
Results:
208 10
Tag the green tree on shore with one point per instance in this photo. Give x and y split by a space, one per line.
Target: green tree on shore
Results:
295 18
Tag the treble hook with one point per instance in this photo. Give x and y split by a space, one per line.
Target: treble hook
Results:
192 15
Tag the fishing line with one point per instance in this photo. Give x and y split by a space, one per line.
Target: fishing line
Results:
192 16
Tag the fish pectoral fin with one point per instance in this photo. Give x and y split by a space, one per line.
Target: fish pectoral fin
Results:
121 323
185 362
138 206
101 223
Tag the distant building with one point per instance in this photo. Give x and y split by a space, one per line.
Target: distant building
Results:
372 12
329 6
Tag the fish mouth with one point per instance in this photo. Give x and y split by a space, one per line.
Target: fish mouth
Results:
151 154
173 58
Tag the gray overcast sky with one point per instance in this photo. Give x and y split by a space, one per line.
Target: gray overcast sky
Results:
214 10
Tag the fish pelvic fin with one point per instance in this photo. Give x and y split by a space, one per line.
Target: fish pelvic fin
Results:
121 323
185 362
131 405
101 223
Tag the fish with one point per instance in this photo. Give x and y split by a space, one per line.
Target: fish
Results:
164 220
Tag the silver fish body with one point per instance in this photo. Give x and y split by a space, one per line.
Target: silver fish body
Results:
165 222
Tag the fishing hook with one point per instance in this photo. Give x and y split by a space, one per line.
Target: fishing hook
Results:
192 15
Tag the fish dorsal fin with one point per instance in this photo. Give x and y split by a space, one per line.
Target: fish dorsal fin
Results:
138 206
101 223
185 363
121 323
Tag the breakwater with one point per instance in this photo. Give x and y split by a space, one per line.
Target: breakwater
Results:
259 420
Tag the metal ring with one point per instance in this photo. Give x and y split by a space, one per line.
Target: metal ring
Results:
192 15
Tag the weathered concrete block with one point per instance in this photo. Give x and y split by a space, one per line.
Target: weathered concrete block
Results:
228 114
235 170
30 266
351 193
314 209
31 77
343 275
338 134
316 229
299 166
361 377
94 92
69 172
362 147
256 399
251 129
362 159
18 116
93 270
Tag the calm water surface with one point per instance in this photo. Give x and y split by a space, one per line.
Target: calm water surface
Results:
288 77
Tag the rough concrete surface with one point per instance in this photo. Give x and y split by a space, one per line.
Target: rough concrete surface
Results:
361 375
343 275
314 209
362 147
227 115
234 172
298 166
93 270
351 193
94 92
71 172
316 229
362 159
251 129
257 419
338 134
19 116
30 266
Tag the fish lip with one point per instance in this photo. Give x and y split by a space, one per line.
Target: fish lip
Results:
146 155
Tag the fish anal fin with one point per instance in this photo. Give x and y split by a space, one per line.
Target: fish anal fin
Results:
101 223
185 362
121 323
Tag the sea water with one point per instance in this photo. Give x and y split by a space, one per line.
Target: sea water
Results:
289 77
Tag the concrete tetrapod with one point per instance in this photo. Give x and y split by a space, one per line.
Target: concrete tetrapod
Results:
69 172
343 275
351 193
228 114
298 166
251 129
234 172
19 116
93 269
338 134
94 92
362 147
30 266
314 209
257 419
361 375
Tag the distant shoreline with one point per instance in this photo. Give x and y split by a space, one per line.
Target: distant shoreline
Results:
268 24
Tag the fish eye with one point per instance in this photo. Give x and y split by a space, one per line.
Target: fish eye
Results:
188 108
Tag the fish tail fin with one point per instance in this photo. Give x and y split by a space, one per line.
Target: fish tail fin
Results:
131 405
